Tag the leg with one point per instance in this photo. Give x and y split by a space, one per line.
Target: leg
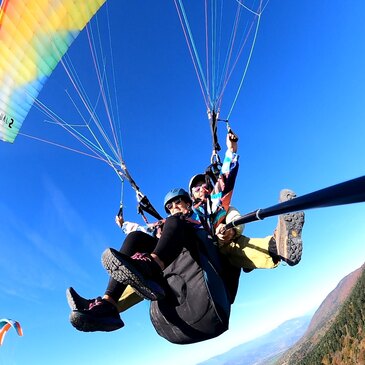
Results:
266 253
176 235
134 242
142 271
101 314
128 299
250 253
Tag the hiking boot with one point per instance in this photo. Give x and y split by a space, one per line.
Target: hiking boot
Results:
76 301
100 316
288 233
140 271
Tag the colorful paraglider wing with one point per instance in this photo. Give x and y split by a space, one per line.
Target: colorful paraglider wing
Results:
5 328
5 325
34 35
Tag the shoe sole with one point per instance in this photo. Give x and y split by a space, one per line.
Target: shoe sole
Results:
292 244
123 272
291 224
85 323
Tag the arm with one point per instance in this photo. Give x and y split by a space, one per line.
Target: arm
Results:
231 142
128 227
228 236
223 189
231 157
233 214
220 197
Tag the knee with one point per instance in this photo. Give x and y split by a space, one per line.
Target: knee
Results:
134 241
135 235
174 222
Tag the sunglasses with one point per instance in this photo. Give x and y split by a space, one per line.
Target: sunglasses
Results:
196 188
176 201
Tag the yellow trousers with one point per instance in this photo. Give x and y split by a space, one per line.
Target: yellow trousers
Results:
249 253
128 299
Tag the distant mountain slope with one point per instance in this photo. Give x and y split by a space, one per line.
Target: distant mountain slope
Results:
336 334
275 342
333 302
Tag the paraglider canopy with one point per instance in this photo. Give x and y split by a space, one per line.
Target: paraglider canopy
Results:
35 36
33 50
5 325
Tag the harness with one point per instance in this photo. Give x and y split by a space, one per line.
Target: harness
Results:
197 304
143 203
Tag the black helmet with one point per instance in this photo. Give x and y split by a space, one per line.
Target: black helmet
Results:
195 179
174 193
200 177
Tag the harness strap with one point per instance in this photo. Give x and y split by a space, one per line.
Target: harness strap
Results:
144 205
212 115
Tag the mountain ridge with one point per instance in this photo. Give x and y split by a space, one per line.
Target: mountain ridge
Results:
292 341
336 334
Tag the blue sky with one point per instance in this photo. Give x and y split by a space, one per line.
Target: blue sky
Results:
300 117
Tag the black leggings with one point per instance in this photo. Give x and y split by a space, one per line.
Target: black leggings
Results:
177 233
